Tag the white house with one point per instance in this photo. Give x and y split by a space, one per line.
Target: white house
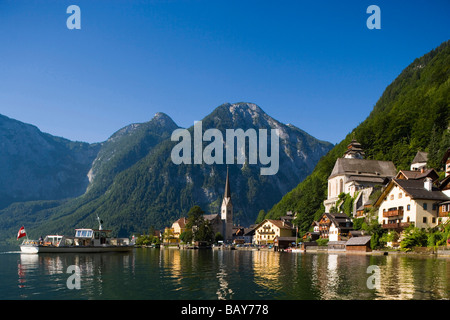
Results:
410 201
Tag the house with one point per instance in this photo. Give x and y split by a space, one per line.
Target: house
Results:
354 175
284 242
420 161
418 174
446 162
178 227
444 211
243 235
335 226
409 201
268 230
358 244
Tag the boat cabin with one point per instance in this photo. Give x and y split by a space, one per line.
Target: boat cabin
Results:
91 237
97 237
53 240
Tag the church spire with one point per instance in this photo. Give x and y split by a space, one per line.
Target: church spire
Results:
227 187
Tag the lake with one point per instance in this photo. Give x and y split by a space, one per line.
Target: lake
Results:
158 274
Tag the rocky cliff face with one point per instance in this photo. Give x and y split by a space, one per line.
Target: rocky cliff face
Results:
37 166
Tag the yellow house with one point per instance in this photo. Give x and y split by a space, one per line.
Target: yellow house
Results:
179 227
268 230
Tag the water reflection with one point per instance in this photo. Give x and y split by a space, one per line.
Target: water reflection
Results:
208 274
266 269
39 273
224 292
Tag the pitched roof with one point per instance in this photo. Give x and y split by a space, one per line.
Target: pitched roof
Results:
358 241
227 187
278 223
446 156
415 189
417 175
420 157
340 220
211 217
363 167
181 222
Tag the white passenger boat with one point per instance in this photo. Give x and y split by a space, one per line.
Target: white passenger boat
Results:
85 240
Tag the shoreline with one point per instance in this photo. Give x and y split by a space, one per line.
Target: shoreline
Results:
428 252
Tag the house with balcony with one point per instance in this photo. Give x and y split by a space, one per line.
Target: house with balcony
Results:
406 201
335 226
268 230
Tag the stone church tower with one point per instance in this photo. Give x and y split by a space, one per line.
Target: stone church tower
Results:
227 213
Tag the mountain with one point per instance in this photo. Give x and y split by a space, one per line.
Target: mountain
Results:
134 184
38 166
413 114
127 146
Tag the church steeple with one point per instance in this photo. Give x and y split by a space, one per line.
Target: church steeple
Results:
354 150
227 212
227 188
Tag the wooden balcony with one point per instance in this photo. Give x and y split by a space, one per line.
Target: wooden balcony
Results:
397 225
393 213
443 214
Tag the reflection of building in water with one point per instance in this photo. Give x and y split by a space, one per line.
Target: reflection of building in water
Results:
171 260
266 266
396 281
223 292
325 275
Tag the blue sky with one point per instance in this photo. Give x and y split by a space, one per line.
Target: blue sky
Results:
314 64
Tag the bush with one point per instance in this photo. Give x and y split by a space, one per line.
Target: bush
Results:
322 242
414 237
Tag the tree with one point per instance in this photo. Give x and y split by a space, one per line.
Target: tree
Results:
204 232
195 217
218 237
186 236
261 216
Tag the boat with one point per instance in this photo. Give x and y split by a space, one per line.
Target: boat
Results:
84 241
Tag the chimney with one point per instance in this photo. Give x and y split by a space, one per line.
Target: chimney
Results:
428 184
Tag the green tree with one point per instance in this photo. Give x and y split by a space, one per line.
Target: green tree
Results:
261 216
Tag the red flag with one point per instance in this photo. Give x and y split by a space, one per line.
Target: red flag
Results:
21 233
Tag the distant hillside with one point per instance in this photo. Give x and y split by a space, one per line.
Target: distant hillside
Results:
134 184
412 114
38 166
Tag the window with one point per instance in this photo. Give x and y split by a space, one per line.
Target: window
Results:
434 206
392 197
424 220
400 195
425 206
408 207
433 220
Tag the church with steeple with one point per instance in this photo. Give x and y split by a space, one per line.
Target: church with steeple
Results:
357 176
226 212
223 222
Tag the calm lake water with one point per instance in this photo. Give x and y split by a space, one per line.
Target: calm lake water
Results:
211 275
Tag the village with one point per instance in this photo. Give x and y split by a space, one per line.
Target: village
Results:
360 191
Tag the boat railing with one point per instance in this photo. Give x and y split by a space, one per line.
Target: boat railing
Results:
30 242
